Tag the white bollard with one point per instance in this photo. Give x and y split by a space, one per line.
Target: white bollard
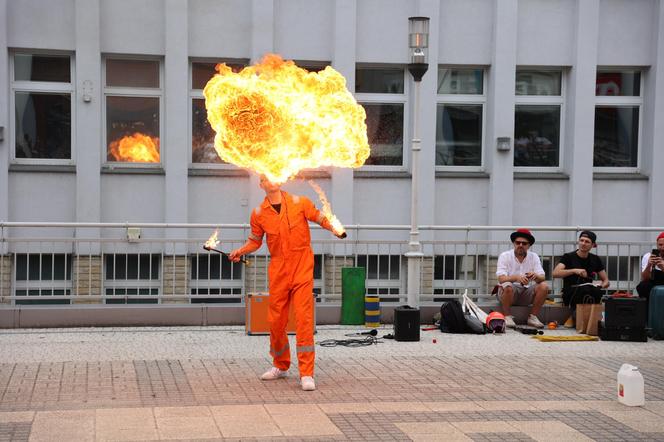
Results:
630 386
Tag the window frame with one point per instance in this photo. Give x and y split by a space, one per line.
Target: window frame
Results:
197 94
464 99
41 87
138 283
232 284
131 92
543 100
607 101
65 284
386 98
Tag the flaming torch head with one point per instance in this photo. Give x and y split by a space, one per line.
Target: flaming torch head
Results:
277 119
212 241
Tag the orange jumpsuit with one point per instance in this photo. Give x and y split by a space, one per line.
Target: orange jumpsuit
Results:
291 275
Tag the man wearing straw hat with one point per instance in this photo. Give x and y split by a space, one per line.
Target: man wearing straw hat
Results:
521 278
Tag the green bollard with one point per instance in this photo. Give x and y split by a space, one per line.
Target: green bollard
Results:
352 295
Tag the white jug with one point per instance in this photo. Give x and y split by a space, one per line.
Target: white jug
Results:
630 386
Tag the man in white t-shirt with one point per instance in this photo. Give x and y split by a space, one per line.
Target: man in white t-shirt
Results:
652 269
521 279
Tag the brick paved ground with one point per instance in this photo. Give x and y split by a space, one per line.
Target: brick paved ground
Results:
198 384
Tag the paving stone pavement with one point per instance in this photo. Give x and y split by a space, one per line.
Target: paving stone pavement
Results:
202 384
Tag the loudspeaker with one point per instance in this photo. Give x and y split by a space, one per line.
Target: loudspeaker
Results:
625 312
633 334
406 323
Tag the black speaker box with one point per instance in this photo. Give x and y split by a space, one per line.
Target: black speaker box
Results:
406 323
625 312
631 334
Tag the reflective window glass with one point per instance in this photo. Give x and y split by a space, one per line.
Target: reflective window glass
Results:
459 135
55 68
460 81
132 73
379 80
385 133
42 125
202 72
537 135
202 135
132 129
537 82
625 83
616 136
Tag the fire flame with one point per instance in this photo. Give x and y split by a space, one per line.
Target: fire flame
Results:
136 148
327 210
277 119
212 241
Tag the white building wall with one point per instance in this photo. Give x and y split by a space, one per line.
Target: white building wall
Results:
50 198
132 26
41 24
466 30
626 31
219 28
462 201
545 33
576 34
303 29
382 30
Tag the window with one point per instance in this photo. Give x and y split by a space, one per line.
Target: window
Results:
381 92
383 275
132 278
617 110
537 118
42 88
42 278
202 134
132 94
215 275
460 117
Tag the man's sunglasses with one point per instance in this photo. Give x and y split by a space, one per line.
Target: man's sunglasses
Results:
522 243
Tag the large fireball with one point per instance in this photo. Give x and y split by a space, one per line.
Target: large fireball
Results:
277 119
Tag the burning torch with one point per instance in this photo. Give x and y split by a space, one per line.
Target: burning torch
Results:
211 244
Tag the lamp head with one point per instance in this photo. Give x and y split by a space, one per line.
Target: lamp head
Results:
418 44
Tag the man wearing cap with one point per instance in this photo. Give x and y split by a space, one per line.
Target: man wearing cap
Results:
579 270
652 269
521 278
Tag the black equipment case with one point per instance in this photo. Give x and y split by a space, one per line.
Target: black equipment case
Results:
624 320
406 323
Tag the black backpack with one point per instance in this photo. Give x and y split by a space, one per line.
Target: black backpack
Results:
452 319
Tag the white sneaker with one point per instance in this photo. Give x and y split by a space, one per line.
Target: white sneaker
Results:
273 373
534 321
308 383
509 322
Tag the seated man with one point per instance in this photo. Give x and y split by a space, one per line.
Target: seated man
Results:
521 278
652 269
578 270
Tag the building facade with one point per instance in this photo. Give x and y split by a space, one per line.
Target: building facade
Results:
532 113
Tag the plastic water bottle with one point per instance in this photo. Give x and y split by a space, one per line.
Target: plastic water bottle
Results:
630 386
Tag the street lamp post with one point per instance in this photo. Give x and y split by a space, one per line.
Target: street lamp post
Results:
418 43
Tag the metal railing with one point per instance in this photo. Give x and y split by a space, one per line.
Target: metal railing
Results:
99 263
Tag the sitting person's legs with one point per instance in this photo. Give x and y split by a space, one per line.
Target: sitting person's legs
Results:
644 287
510 294
540 293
